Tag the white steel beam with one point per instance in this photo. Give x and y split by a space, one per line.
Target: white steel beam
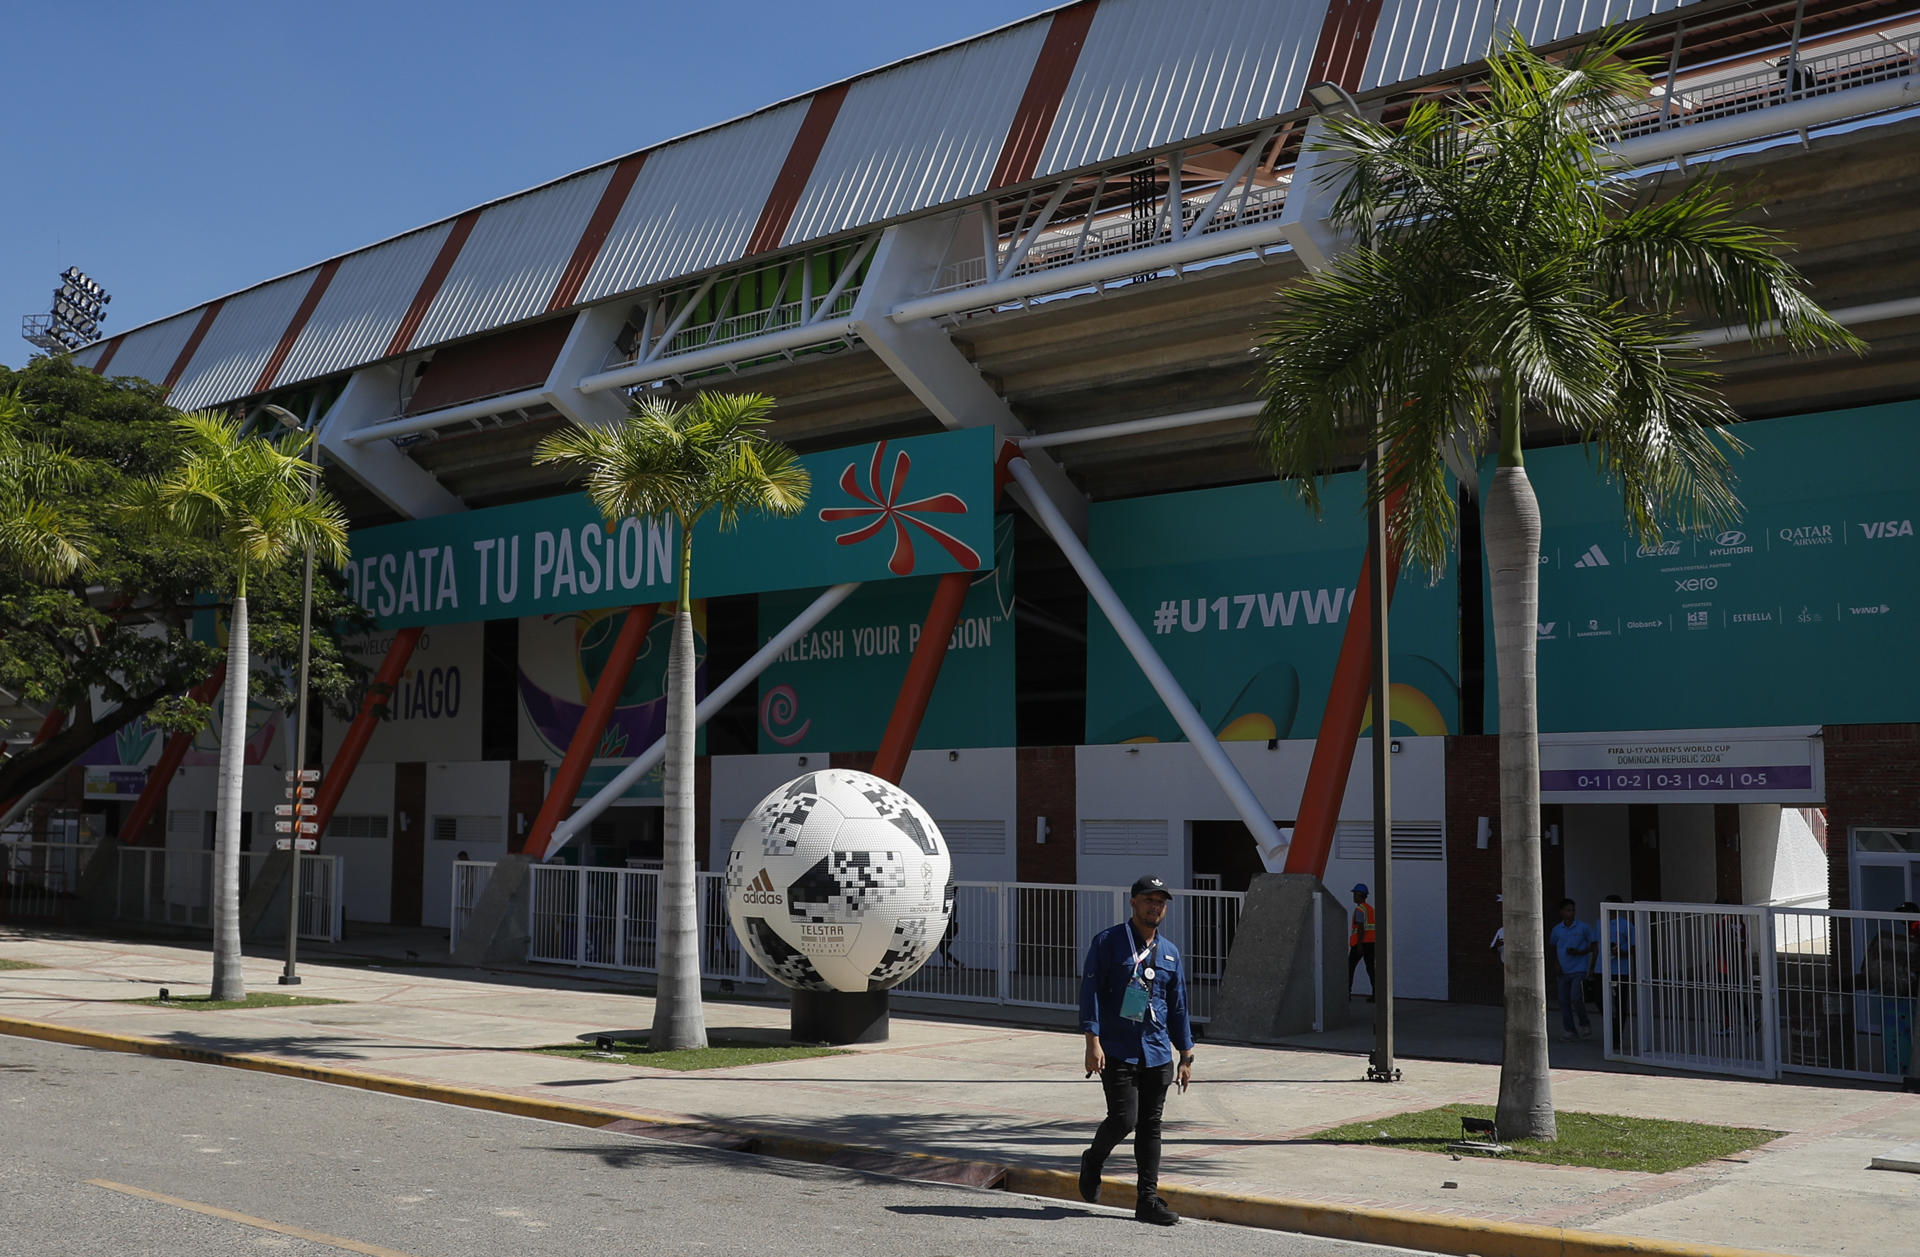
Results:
585 352
370 395
926 361
1265 834
722 695
447 416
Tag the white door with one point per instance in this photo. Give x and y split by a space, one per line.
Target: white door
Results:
451 838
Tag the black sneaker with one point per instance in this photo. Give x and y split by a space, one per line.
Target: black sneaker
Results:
1154 1210
1089 1178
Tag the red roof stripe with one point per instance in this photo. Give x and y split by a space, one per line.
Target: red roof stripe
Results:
575 276
106 355
1346 36
430 286
207 316
1046 88
315 291
784 199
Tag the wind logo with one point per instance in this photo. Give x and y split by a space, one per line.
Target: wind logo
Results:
1594 557
761 890
1882 529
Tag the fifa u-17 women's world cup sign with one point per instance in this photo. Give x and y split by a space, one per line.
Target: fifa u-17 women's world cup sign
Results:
839 881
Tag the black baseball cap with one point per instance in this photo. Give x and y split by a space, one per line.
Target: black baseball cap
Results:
1150 885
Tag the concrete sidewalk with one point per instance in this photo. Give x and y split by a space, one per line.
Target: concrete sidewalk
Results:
1015 1096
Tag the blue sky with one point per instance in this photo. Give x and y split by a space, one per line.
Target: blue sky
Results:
179 151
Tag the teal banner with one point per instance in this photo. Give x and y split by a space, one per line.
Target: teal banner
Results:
913 507
1245 596
1801 612
834 689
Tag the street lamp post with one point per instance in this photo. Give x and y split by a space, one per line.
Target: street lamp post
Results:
290 975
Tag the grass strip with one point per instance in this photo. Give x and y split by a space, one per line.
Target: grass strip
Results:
18 964
720 1053
255 999
1600 1140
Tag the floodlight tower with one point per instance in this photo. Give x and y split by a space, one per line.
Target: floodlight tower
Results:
79 307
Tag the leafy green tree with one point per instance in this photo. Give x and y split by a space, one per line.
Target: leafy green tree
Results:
112 642
252 499
679 463
37 537
1498 269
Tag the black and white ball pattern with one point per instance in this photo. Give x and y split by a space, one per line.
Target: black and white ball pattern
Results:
839 880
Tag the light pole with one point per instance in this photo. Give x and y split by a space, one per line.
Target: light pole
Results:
290 975
1333 100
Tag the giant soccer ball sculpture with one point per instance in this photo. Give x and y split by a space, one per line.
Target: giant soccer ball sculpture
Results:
839 881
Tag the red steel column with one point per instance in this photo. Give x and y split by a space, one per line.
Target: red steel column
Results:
593 723
333 783
1346 709
161 774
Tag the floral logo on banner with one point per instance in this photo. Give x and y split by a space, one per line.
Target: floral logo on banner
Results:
883 507
779 707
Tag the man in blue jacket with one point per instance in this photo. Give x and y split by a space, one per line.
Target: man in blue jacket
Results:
1133 1008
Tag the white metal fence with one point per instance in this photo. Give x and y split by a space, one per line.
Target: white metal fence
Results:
470 879
1008 943
40 881
1760 990
173 886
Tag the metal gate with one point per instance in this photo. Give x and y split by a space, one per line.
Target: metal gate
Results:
1759 990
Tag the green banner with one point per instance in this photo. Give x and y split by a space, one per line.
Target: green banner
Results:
1245 596
834 689
919 506
1801 612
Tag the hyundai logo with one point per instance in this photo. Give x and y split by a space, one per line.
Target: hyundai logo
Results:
1732 537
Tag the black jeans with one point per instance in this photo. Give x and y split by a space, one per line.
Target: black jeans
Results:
1136 1096
1357 954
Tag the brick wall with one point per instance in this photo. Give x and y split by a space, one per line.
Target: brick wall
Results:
1046 788
1473 874
1873 779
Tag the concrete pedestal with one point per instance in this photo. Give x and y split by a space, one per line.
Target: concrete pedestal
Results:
840 1017
1267 990
496 930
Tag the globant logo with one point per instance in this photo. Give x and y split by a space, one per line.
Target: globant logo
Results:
1808 535
1647 624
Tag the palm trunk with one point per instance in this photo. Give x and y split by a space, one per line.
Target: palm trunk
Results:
1512 531
228 981
679 1021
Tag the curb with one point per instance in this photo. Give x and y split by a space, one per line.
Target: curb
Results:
1401 1228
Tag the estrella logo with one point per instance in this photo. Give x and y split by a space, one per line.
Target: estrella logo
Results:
883 507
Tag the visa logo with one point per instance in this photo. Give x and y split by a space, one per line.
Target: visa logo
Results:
1881 529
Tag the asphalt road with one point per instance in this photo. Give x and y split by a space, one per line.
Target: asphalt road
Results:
104 1153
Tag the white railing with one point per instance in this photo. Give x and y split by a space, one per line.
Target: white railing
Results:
737 327
41 880
470 878
170 886
1010 942
1708 99
1760 990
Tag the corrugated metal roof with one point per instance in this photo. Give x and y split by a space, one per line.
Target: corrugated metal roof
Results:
511 262
1415 38
363 306
918 135
242 338
1153 73
91 354
694 204
149 352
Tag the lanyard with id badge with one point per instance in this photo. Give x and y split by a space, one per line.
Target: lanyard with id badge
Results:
1136 1003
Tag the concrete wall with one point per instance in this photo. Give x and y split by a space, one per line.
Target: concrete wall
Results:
474 795
1686 853
1780 859
1136 804
1594 845
368 868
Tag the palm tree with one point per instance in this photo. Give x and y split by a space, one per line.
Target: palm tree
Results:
37 537
1498 269
255 500
677 463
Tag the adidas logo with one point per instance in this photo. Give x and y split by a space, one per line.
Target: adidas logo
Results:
760 890
1594 557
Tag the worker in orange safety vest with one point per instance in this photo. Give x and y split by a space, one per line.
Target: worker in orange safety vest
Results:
1360 939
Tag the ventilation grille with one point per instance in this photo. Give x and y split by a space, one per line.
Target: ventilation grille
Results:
1123 837
1412 840
468 829
184 822
975 837
357 825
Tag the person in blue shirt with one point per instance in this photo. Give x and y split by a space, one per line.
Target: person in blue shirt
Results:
1574 945
1133 1009
1620 965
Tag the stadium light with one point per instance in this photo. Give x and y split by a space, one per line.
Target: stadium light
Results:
1330 98
79 307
